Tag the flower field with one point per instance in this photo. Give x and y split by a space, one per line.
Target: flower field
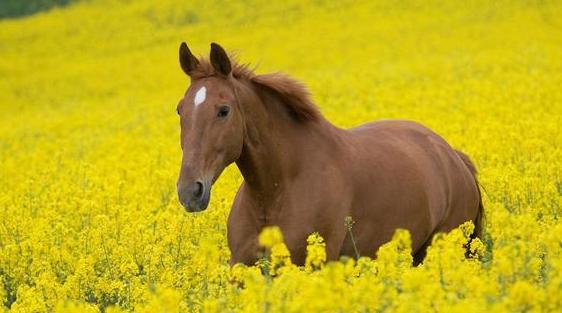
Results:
90 153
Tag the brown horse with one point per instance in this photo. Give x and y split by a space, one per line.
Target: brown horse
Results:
306 175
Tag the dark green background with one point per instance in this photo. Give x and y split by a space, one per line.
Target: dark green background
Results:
18 8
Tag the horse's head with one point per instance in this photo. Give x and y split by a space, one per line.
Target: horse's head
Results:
211 126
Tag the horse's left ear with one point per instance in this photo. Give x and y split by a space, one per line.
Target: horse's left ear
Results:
188 61
220 60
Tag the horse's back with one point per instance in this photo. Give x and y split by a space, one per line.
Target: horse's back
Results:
411 178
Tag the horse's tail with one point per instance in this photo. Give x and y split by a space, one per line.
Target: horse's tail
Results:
478 220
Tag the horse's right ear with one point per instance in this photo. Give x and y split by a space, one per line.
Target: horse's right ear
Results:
188 61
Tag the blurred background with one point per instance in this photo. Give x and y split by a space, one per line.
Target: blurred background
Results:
15 8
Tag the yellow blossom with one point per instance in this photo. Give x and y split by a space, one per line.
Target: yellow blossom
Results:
89 155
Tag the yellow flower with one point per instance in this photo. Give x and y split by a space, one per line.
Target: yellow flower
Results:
89 154
270 236
315 252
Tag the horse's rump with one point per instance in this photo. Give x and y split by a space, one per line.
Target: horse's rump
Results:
478 220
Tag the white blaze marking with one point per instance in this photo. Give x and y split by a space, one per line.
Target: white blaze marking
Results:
200 96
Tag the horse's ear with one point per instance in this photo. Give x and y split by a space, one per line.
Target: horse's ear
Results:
220 60
188 61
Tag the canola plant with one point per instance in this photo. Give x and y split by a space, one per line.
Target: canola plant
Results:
89 153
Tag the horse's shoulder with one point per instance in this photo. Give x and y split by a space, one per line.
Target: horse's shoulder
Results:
241 197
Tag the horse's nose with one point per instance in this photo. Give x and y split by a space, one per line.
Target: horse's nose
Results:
197 190
193 196
190 192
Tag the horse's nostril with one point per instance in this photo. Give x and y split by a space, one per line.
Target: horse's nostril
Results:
198 190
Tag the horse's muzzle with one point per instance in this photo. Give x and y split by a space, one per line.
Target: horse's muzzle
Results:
194 196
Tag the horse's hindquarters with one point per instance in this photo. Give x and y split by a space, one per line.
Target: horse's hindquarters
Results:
406 176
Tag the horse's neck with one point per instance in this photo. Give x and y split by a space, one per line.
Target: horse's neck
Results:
272 145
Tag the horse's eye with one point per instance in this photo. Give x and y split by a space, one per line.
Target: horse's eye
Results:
223 111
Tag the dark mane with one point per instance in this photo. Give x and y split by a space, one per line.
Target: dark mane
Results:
291 92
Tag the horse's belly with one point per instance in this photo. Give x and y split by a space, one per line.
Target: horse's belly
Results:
378 216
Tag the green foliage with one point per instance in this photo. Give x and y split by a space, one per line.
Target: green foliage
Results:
17 8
